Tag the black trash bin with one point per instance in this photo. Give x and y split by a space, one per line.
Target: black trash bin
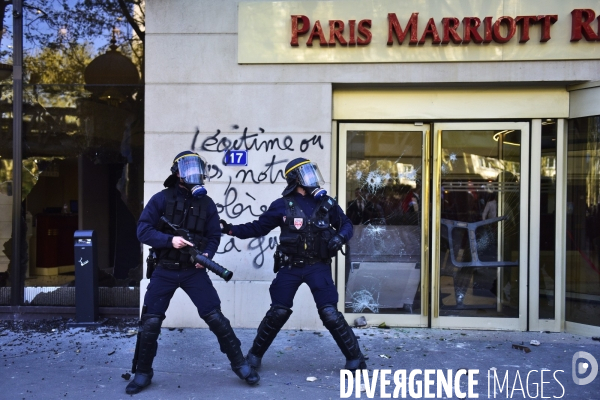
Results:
86 279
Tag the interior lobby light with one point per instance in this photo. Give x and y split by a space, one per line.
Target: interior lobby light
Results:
505 132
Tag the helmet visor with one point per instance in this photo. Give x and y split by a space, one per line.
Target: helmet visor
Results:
191 169
309 175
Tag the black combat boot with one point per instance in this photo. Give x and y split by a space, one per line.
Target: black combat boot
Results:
231 346
146 346
344 337
269 327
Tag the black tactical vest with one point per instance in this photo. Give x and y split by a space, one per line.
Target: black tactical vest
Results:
191 218
303 237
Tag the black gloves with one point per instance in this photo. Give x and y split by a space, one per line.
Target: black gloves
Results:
335 243
225 227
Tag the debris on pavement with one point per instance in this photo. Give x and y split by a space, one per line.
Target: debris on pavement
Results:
30 354
360 322
534 343
520 347
383 326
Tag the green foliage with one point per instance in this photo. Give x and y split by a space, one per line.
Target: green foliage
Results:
65 65
67 26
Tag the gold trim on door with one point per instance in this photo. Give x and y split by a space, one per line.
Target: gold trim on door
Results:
391 319
459 319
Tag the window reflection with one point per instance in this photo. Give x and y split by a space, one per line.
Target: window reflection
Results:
583 221
479 231
82 145
548 220
6 155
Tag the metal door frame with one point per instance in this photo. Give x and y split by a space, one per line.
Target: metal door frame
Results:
453 322
405 320
535 322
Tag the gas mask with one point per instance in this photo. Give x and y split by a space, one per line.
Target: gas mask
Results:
310 178
192 172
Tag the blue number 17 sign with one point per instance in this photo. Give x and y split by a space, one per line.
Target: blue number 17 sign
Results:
236 157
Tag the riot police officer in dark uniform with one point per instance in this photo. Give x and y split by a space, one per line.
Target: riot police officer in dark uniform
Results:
313 229
184 204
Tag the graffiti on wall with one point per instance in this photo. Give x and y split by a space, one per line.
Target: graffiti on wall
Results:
239 205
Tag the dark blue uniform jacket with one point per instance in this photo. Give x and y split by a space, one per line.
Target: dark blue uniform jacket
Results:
148 234
273 218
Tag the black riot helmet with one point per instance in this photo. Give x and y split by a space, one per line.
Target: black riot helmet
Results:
192 172
304 173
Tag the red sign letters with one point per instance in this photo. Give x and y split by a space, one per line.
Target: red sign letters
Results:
474 30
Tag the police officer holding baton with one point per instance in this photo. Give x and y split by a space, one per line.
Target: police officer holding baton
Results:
313 229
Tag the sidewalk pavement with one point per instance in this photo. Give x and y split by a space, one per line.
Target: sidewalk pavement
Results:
45 359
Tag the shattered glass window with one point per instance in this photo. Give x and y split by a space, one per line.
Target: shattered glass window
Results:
383 262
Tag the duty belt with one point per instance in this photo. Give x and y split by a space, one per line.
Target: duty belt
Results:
173 265
306 261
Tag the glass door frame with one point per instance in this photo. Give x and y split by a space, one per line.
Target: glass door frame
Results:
404 320
535 322
453 322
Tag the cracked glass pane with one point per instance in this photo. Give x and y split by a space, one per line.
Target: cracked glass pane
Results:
383 261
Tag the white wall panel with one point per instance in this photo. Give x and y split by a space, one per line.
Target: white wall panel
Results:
183 313
467 103
213 58
244 304
584 102
273 107
193 16
252 301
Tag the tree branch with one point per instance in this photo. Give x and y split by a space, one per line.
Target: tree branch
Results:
35 8
131 21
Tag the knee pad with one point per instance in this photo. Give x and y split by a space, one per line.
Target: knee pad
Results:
329 315
217 322
151 322
279 314
215 319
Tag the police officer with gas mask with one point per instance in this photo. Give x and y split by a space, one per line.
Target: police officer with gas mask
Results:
313 229
184 204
